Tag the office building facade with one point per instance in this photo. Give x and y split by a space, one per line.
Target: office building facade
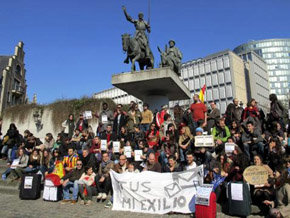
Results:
276 53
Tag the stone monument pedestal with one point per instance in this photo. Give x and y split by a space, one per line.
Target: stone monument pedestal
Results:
156 86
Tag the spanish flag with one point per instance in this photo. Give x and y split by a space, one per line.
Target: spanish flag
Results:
201 94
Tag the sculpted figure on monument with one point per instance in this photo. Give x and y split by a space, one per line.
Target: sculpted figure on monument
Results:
171 57
137 47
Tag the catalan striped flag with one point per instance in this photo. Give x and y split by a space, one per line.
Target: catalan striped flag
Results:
201 93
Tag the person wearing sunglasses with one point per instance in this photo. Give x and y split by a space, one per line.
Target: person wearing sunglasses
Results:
70 181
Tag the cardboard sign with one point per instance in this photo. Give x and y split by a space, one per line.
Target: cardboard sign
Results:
256 175
138 154
127 151
204 141
103 145
116 147
203 194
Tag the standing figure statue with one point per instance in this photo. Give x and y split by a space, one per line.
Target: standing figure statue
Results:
137 48
171 57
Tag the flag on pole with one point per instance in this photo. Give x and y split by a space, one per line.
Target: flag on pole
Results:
201 94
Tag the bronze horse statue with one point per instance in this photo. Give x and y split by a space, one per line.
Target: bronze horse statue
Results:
135 53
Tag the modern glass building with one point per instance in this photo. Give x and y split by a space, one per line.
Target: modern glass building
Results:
276 53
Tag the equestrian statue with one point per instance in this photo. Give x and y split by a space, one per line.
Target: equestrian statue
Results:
137 47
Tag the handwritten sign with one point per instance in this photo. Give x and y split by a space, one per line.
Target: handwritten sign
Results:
138 154
256 175
229 147
203 194
116 147
104 118
88 115
103 145
204 141
127 151
156 193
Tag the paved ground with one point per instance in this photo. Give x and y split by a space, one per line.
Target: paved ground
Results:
12 206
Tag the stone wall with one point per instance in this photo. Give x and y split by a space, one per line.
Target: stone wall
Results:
51 116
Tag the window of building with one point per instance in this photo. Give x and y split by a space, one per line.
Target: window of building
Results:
18 70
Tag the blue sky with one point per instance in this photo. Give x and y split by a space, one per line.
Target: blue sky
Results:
74 46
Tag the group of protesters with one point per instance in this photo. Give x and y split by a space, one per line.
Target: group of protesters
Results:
79 158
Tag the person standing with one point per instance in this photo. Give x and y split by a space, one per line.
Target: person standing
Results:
69 126
82 123
213 116
147 118
106 117
199 111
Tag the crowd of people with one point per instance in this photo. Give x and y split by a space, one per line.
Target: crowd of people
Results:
167 140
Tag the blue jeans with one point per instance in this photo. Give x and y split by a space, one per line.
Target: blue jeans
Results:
8 151
30 170
164 159
75 189
258 147
144 127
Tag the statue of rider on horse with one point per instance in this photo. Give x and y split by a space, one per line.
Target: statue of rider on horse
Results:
137 47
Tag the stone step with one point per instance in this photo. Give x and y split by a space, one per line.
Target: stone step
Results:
9 183
11 190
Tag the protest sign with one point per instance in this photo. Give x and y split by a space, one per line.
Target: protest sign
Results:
127 151
138 154
157 193
256 175
237 191
203 194
116 147
229 147
14 163
103 145
204 141
104 118
88 115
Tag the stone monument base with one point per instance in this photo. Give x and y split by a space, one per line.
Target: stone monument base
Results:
156 86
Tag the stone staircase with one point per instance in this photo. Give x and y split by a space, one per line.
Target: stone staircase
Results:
12 188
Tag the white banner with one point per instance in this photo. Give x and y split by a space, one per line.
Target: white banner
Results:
158 193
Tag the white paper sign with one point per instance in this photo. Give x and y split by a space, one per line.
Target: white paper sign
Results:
104 118
237 191
14 163
50 193
28 182
229 147
127 151
103 145
116 147
138 154
88 115
204 141
159 193
203 194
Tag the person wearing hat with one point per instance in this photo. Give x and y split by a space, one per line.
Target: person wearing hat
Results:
203 155
173 57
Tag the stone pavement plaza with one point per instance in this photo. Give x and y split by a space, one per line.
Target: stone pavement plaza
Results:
12 206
